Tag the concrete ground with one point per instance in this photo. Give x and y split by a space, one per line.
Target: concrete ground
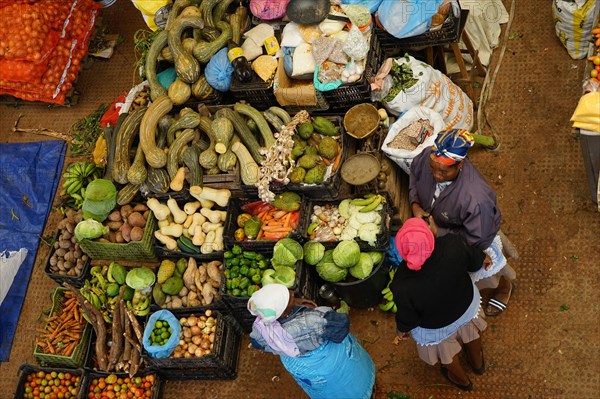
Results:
546 345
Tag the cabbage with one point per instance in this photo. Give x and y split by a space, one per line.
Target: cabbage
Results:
140 278
368 232
89 229
287 252
328 270
313 252
281 275
100 199
100 190
346 253
376 257
344 208
363 268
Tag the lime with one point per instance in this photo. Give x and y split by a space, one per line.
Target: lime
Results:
165 335
158 324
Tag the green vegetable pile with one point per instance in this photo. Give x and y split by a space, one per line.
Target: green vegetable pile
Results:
334 265
402 78
160 334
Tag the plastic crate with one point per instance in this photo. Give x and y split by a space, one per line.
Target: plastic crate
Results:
141 251
219 304
157 387
77 358
26 369
183 195
447 34
234 209
383 238
233 339
257 92
348 95
218 362
75 281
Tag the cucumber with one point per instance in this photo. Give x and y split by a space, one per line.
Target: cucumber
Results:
187 246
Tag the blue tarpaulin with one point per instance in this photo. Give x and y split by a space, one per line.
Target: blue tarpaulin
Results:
29 174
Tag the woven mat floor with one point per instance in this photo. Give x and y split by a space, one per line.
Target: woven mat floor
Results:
546 345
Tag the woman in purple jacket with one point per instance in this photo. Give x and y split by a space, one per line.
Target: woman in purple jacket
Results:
446 185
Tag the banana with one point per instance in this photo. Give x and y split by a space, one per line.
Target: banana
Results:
100 294
374 204
82 192
385 290
362 201
101 281
386 307
95 270
74 188
394 308
389 296
69 175
369 195
95 300
89 169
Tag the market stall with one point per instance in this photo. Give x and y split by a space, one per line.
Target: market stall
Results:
260 147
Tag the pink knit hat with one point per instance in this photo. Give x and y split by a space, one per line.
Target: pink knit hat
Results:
415 242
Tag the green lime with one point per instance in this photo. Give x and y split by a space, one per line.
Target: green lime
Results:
158 324
165 335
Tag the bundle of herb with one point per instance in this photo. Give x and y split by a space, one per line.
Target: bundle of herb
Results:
402 78
85 132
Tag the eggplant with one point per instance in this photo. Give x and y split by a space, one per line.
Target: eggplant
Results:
307 12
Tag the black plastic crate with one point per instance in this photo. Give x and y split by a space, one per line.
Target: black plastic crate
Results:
348 95
229 372
383 238
180 196
225 347
257 92
75 281
157 386
447 34
26 369
234 209
217 304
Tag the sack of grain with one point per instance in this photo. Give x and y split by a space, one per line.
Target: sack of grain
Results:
398 145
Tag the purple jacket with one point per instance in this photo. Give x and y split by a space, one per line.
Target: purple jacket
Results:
466 207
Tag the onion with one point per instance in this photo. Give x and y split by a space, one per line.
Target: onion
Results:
199 352
208 312
187 355
211 338
192 348
181 342
201 324
183 321
203 318
195 330
187 332
192 320
205 344
197 340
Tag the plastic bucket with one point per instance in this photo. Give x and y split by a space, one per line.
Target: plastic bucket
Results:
365 293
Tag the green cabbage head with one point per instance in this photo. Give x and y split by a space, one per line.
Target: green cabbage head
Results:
328 270
281 275
287 252
140 278
313 252
346 253
89 229
363 268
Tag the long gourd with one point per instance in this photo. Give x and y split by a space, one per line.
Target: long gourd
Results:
220 9
263 126
124 138
228 159
186 66
206 8
176 149
248 168
137 173
244 133
178 7
159 108
164 124
160 42
187 120
203 51
209 157
222 130
190 158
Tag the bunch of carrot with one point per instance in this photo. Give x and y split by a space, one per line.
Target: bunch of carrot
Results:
596 33
64 328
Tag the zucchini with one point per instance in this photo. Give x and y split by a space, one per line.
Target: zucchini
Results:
281 114
273 120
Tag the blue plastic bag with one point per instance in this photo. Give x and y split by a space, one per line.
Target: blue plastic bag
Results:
163 351
218 71
407 18
320 86
392 255
373 5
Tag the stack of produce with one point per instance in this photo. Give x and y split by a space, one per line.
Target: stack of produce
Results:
113 386
195 229
39 383
334 265
197 336
67 259
186 283
77 177
42 44
351 218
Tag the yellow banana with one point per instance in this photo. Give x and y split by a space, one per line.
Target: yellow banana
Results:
389 296
374 204
362 201
385 290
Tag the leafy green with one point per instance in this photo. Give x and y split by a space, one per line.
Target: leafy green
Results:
89 229
363 268
140 278
287 252
402 79
346 254
313 252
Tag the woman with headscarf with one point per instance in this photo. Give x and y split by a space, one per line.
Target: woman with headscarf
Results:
445 184
313 343
438 304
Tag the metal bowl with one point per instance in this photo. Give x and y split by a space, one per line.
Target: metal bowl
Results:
360 168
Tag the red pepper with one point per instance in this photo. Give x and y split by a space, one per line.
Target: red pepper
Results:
294 219
250 207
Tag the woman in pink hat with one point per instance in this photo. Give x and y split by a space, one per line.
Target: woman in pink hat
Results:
438 303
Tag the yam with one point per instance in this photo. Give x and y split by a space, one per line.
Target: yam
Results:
135 219
115 216
137 233
126 211
126 232
213 271
208 293
176 302
189 274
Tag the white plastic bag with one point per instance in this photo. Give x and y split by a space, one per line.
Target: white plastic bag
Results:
404 157
574 21
10 261
436 91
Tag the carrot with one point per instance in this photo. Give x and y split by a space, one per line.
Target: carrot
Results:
596 31
260 233
276 229
286 219
279 214
275 236
326 161
294 219
262 214
336 161
598 43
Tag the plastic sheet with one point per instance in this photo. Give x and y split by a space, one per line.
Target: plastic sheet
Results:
29 175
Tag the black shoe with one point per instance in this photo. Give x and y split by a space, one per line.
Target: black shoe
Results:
446 373
480 370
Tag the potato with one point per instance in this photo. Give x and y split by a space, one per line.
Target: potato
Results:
136 233
126 211
114 216
112 237
140 208
119 237
114 226
126 232
136 219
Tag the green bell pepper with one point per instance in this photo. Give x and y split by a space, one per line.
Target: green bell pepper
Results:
256 278
236 250
244 270
263 264
250 255
252 289
228 255
236 292
244 283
